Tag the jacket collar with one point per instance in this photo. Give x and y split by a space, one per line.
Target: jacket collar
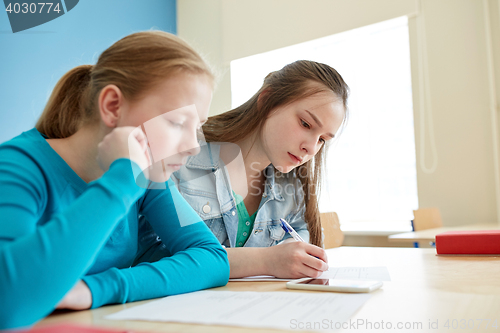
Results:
272 190
208 159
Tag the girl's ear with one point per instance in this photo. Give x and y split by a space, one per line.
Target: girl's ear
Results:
111 103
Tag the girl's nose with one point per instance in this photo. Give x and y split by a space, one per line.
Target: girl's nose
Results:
189 146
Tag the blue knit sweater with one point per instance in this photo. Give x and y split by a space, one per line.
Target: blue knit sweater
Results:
55 229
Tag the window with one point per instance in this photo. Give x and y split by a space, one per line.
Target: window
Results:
371 169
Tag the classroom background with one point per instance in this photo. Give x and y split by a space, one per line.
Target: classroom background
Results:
454 54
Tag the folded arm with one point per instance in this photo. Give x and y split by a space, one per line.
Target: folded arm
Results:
44 262
197 260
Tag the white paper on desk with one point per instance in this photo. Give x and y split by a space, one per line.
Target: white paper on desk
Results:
357 273
341 273
248 308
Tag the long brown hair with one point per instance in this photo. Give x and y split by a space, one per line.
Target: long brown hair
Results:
291 83
134 64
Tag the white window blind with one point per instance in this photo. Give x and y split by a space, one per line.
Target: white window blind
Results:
371 169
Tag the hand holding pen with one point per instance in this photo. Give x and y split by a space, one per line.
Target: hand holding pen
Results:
288 228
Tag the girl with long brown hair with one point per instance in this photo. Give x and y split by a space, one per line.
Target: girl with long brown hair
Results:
73 205
263 162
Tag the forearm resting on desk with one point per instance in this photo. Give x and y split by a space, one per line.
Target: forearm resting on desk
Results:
287 260
247 261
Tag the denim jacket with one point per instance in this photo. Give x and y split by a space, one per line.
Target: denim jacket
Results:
204 183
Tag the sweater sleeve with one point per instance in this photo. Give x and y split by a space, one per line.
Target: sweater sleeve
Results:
40 264
198 261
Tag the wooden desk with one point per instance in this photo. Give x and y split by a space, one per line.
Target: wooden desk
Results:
424 288
429 235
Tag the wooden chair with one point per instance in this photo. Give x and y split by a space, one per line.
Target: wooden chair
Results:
331 230
426 218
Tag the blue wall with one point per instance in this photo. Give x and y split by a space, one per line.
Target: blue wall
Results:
32 61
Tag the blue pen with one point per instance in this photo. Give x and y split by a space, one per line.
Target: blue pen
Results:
288 228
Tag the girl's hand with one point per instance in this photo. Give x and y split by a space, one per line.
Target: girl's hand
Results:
78 298
296 260
123 142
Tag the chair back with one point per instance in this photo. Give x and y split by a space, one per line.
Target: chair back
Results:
426 218
331 230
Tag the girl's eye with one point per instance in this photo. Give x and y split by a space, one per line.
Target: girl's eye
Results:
306 125
175 124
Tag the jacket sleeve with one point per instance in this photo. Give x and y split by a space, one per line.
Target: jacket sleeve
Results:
197 259
296 220
40 264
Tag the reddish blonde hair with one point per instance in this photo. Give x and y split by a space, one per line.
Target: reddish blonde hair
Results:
134 64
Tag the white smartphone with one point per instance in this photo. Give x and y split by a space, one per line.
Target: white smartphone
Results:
345 286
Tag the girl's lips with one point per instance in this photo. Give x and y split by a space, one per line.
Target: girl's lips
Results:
295 159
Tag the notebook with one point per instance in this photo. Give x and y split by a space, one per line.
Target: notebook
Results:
468 242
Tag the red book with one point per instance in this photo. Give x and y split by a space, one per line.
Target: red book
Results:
468 242
71 328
